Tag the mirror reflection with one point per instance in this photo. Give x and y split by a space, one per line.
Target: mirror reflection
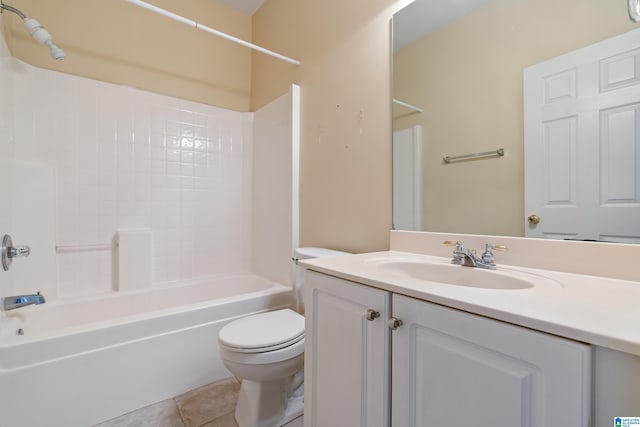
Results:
459 90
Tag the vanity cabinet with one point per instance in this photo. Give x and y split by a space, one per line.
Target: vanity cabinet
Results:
440 367
455 368
346 359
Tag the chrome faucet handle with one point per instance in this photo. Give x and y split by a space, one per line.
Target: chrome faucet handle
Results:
501 248
458 250
8 252
487 255
458 244
16 251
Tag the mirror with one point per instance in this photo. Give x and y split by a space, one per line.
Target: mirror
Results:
458 90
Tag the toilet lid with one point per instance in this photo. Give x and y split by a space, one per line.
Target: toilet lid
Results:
263 332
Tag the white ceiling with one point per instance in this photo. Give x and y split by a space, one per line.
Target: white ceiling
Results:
247 6
415 21
423 17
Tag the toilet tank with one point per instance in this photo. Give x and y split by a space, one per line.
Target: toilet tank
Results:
307 253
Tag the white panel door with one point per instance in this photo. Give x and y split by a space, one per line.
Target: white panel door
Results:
582 143
346 357
407 179
452 368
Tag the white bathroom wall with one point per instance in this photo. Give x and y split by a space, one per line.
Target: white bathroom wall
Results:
275 176
6 134
91 158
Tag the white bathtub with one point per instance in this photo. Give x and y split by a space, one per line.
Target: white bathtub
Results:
83 362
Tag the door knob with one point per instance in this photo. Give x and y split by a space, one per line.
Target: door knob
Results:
394 323
534 219
372 315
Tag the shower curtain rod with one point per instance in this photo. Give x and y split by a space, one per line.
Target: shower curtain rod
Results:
194 24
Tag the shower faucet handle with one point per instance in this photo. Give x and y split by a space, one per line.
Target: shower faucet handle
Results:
8 252
18 251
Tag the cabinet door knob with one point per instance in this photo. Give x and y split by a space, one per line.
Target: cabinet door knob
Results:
394 323
372 315
534 219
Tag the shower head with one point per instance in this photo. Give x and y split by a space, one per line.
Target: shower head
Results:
56 53
37 31
42 36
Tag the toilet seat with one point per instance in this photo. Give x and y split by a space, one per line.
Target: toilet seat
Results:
266 357
262 333
265 349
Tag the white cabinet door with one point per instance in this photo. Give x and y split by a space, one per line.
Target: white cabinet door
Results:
452 368
346 355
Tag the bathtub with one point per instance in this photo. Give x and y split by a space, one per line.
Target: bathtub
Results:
81 362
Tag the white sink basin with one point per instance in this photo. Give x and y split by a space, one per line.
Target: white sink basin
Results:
457 275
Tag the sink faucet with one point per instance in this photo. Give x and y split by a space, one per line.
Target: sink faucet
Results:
469 258
17 301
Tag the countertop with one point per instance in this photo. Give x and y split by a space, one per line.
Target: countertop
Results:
590 309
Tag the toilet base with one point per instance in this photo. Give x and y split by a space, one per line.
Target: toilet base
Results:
266 404
295 407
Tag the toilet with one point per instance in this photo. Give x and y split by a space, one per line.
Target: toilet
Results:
266 351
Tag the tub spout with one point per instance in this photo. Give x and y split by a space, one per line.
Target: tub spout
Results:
17 301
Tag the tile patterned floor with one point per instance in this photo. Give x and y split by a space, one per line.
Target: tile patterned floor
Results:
212 405
209 406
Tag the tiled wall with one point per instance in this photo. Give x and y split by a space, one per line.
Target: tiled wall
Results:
90 158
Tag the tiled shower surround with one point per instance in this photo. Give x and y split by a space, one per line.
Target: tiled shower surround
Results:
88 158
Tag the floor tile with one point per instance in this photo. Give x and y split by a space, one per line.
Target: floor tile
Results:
298 422
208 403
161 414
227 420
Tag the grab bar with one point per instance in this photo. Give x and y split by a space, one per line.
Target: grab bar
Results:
83 248
499 152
